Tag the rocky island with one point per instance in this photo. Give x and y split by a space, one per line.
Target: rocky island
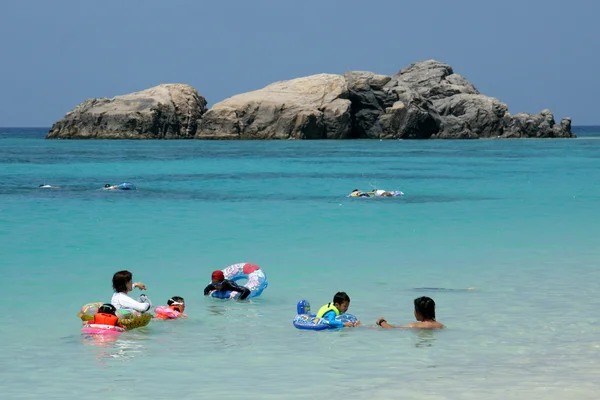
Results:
163 112
425 100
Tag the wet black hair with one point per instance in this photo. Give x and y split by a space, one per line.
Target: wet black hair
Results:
120 280
107 309
426 307
340 298
107 185
175 299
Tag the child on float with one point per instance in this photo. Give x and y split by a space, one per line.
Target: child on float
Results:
339 305
122 284
106 315
173 310
424 313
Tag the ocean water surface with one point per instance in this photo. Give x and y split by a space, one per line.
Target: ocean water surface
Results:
516 219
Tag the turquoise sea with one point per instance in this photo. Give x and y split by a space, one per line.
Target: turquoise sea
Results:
516 219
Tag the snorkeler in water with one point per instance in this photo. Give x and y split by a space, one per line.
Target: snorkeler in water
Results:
358 193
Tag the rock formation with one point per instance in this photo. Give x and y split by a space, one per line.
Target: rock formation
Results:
422 101
314 107
169 111
425 100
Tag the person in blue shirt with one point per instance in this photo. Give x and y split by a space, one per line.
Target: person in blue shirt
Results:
339 305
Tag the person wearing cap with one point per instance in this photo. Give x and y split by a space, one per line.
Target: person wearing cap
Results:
221 284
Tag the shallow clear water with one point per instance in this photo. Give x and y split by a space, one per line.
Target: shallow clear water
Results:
518 220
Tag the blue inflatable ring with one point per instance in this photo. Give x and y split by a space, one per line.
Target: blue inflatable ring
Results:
126 186
257 280
307 320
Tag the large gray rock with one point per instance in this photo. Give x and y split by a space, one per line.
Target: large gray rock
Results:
459 109
432 80
169 111
471 114
540 125
410 117
313 107
424 100
461 112
369 102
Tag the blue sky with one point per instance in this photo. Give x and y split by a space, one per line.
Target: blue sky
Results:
531 54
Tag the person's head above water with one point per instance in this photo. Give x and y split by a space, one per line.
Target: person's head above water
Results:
217 277
107 309
424 309
341 301
177 303
355 190
107 185
122 281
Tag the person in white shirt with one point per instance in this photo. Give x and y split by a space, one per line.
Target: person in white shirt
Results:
122 284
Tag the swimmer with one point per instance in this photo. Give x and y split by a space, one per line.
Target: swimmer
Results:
122 284
122 186
382 193
339 305
106 315
174 309
219 283
424 313
358 193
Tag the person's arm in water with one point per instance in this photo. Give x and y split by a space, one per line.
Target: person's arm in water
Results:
330 318
208 289
384 324
416 325
234 287
229 286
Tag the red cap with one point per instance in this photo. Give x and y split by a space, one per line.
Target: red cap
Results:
218 276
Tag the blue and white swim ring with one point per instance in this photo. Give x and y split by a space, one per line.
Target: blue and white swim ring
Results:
126 186
257 280
377 193
307 320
